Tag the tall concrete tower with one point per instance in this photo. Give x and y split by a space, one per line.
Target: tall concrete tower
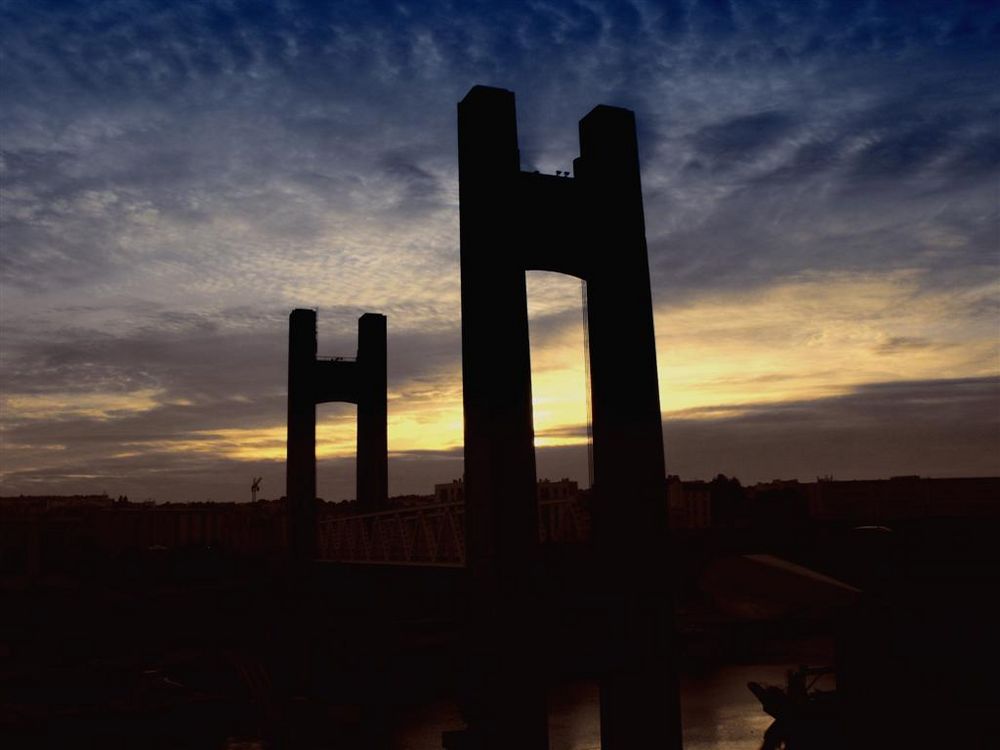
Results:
313 381
590 226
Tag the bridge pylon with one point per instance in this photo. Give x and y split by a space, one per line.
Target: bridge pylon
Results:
313 381
591 226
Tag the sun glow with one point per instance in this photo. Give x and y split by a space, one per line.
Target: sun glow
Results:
68 405
813 337
805 338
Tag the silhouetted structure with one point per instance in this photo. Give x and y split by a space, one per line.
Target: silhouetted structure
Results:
590 226
312 381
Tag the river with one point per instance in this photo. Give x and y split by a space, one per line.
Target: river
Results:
718 713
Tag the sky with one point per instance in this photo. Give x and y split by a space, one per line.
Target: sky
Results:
821 183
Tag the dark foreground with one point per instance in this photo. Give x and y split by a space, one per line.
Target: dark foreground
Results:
192 649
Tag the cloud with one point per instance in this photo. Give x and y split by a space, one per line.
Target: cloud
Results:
741 138
818 335
902 343
901 154
977 157
928 427
177 176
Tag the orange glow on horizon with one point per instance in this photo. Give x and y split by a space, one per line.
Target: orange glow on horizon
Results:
808 337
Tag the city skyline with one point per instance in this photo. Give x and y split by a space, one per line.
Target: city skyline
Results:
822 234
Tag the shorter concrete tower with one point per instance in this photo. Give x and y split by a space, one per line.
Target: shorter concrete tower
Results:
312 381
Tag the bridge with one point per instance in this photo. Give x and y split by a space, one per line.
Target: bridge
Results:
499 540
432 534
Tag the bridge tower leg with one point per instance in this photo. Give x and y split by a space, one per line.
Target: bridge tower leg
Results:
640 703
373 446
501 506
300 470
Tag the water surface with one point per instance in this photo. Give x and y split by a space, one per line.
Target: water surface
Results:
718 711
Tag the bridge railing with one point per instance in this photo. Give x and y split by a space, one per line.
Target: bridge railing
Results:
432 534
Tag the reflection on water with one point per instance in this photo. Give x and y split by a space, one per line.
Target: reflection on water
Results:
719 713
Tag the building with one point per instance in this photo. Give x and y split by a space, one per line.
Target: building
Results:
451 492
690 503
548 489
561 489
880 501
40 535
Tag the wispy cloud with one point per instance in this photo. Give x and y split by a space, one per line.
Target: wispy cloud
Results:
176 176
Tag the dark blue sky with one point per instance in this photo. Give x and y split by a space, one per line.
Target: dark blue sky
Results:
821 192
